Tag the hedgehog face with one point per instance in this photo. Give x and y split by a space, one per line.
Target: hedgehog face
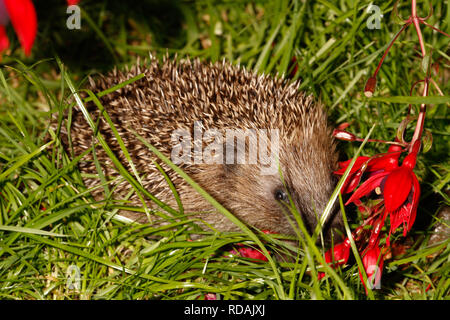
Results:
263 200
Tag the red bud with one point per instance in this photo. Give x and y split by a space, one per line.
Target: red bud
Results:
370 87
343 135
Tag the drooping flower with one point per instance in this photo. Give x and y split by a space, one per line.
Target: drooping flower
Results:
369 89
371 165
401 193
399 183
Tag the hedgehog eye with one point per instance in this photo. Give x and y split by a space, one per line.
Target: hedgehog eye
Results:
280 195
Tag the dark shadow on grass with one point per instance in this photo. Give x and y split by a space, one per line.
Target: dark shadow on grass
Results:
83 49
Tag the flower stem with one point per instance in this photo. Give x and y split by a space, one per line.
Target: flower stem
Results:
421 119
415 20
389 47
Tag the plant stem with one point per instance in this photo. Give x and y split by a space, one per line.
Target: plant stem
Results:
415 20
421 119
388 48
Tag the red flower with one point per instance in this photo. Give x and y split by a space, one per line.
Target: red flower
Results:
399 183
373 265
369 89
383 162
368 186
23 18
24 21
401 194
338 254
247 252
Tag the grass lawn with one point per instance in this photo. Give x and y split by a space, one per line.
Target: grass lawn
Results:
57 242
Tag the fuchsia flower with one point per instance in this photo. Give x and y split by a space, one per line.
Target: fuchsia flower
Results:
338 254
399 190
373 265
401 193
377 167
22 15
341 253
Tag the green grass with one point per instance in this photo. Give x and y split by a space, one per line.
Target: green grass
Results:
49 222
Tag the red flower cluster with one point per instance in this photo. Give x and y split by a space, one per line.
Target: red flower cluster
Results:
398 184
23 18
398 191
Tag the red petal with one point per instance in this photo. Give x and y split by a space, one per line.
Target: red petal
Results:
395 148
343 126
344 164
415 202
341 253
24 21
373 264
387 162
397 187
72 2
352 182
367 186
252 253
4 41
410 161
399 217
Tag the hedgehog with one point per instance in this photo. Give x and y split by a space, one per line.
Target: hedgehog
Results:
191 95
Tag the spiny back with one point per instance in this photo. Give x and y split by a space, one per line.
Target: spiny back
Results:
220 94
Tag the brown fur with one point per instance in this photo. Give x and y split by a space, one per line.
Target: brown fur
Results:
174 95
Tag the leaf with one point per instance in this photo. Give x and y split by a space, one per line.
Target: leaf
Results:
427 141
31 231
426 62
413 100
22 160
402 127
